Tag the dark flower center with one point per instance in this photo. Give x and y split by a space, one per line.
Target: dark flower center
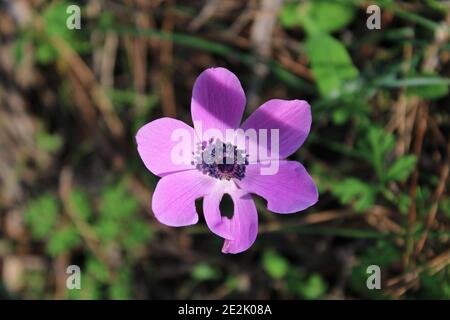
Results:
220 160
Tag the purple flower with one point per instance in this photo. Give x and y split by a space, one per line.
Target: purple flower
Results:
218 165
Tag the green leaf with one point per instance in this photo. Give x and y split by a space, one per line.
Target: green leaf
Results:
20 45
383 253
90 290
203 272
81 204
412 81
355 191
136 234
437 5
49 142
444 205
305 286
428 86
41 215
119 220
435 286
403 203
45 53
331 64
121 288
376 147
108 229
98 270
317 16
275 265
349 108
402 168
232 282
314 287
328 16
54 18
117 202
63 240
106 19
289 15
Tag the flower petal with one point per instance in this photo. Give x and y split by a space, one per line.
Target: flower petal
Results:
291 117
211 209
290 190
173 201
218 101
243 224
157 148
241 229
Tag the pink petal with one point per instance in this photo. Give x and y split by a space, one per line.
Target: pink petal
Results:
173 201
211 210
291 117
155 145
218 101
243 226
290 190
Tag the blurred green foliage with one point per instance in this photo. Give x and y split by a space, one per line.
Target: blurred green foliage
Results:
383 254
115 223
106 232
41 215
298 282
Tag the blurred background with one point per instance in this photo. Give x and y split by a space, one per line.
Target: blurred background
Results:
73 189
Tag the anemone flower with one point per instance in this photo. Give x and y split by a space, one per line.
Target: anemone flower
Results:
217 166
